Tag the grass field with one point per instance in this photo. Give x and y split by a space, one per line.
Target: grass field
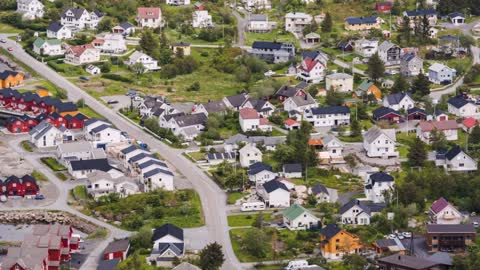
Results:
232 197
246 220
275 35
39 176
80 192
27 146
53 164
90 113
196 156
8 29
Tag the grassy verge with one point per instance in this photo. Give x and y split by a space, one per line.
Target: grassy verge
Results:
246 220
27 146
80 192
197 156
39 176
90 112
232 197
99 233
61 176
53 164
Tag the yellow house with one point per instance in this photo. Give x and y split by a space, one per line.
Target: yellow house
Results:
336 242
42 92
363 23
369 88
10 79
181 45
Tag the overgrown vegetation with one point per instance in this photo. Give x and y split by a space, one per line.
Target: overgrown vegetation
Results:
53 164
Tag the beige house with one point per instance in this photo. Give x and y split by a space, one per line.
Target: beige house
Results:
340 82
363 23
181 45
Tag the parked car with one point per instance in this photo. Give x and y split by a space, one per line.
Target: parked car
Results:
3 40
475 224
142 145
407 234
39 197
113 101
10 49
83 78
3 198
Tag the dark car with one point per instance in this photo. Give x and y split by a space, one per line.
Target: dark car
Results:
83 78
113 101
39 197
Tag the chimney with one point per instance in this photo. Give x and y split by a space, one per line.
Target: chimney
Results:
399 257
305 96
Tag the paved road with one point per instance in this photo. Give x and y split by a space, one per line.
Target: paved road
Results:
241 27
212 197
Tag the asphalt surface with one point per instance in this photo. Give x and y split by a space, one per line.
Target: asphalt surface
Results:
212 197
241 27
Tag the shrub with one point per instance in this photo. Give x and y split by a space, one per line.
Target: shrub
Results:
116 77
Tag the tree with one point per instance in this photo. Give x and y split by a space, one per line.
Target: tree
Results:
356 130
354 261
149 43
333 98
80 103
463 89
417 153
362 111
475 135
327 23
405 31
400 85
421 86
211 257
258 223
255 242
138 68
376 68
438 139
105 25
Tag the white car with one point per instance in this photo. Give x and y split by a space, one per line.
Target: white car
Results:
3 198
407 234
475 224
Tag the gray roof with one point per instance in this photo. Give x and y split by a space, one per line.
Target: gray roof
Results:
80 146
215 106
397 98
319 188
186 266
237 100
450 228
258 17
186 120
408 262
367 207
267 141
303 100
152 161
338 76
386 45
374 132
157 171
100 128
327 139
77 12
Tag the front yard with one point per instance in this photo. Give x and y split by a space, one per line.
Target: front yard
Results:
247 220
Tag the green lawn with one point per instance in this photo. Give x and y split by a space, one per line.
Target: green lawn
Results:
80 192
27 146
53 164
246 220
39 176
351 139
8 29
197 156
90 113
61 176
99 233
277 34
232 197
333 179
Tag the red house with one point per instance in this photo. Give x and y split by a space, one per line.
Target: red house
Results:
29 184
117 250
384 7
387 114
288 91
57 120
17 125
5 96
14 186
416 114
14 101
75 122
30 122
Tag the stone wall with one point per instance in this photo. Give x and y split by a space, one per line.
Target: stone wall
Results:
44 217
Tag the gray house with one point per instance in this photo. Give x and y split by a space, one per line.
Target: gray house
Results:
455 159
273 52
411 65
389 53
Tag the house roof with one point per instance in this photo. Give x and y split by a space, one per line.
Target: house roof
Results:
215 106
267 45
108 264
339 76
409 57
307 99
258 17
450 228
77 12
79 146
330 110
382 111
386 45
118 245
167 229
126 25
441 257
149 12
291 168
439 205
55 27
249 113
91 164
7 73
319 188
290 122
427 126
157 171
367 207
457 102
190 119
80 49
394 99
380 177
410 262
469 122
39 42
365 85
362 20
259 167
415 13
273 185
186 266
176 248
66 107
100 128
221 156
330 230
129 149
150 162
456 14
294 211
416 110
237 100
453 152
449 37
374 132
437 67
308 64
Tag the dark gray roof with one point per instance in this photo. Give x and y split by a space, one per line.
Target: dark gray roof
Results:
126 25
108 264
258 167
176 248
330 110
77 12
221 156
292 168
100 164
273 185
100 128
55 27
367 207
330 230
450 228
152 162
129 149
408 262
382 111
157 171
394 99
118 245
190 119
237 100
319 188
215 106
416 110
381 177
167 229
140 156
457 102
453 152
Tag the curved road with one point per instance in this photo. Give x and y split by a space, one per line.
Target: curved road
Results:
212 197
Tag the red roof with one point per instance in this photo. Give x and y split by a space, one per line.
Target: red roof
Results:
309 64
248 113
469 122
315 142
439 125
290 122
263 121
149 12
439 205
79 49
98 40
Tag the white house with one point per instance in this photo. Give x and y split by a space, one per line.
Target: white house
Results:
274 193
158 178
201 19
389 53
93 70
443 212
79 18
462 108
311 70
250 120
263 107
45 135
299 103
249 154
340 82
295 22
456 18
328 116
258 23
321 193
130 151
448 127
99 184
124 28
188 126
258 4
79 150
30 9
298 218
357 212
366 47
411 65
334 147
139 57
104 134
59 31
149 17
293 170
380 142
168 243
50 47
399 101
81 168
455 160
376 185
110 44
81 54
441 74
178 2
259 173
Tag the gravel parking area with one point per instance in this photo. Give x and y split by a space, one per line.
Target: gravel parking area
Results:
123 101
